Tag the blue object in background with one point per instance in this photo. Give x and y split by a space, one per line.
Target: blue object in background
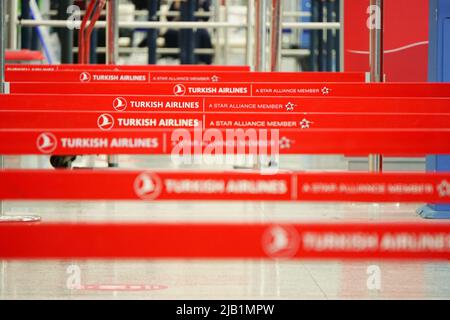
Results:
323 44
438 71
186 37
305 36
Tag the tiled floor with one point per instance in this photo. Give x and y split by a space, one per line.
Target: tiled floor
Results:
243 279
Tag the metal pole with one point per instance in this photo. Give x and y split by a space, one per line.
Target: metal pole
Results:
187 36
261 54
321 42
152 34
217 18
2 71
276 31
314 46
112 50
3 90
226 34
65 34
376 45
261 35
340 37
330 36
376 67
25 32
249 45
112 31
12 24
184 24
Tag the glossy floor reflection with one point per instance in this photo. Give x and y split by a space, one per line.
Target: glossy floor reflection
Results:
202 279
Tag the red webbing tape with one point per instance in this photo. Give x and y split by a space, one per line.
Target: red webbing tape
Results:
288 105
49 120
147 67
354 241
241 89
229 186
186 76
23 55
157 141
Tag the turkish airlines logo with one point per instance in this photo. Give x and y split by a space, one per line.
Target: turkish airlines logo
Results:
179 90
85 77
281 242
105 122
120 104
46 142
148 186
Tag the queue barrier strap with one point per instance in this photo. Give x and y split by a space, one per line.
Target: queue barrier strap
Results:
186 142
345 241
221 186
286 105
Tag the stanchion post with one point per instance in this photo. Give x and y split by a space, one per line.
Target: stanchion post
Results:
12 24
25 32
218 46
226 32
260 47
112 52
65 34
249 35
261 35
376 66
152 34
187 36
2 71
112 31
3 90
275 39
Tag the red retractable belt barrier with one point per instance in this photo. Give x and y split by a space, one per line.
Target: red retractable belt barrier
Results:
192 76
23 55
390 142
355 241
50 120
149 67
242 89
125 103
229 186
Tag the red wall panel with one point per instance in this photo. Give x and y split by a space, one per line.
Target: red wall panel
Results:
405 35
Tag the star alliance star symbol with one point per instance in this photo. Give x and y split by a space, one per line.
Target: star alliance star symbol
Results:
325 91
215 79
290 106
444 189
285 143
305 124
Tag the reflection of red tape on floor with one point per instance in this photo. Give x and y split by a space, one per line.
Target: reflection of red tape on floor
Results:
226 241
233 185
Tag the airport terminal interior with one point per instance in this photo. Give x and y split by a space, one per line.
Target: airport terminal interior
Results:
349 100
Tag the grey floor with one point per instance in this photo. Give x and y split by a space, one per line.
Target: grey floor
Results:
243 279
